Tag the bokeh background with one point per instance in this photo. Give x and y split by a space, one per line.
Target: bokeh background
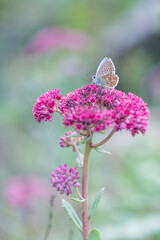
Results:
59 44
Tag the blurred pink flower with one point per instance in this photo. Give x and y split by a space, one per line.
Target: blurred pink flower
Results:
20 192
53 38
39 187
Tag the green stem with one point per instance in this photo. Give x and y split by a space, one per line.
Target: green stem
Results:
50 218
78 153
103 141
85 173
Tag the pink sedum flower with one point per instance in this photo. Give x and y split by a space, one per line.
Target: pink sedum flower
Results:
63 179
96 108
45 105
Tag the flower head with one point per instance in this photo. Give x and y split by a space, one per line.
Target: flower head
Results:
45 105
96 108
63 179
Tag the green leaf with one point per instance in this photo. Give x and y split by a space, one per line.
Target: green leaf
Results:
86 139
78 200
101 150
80 164
71 213
74 135
94 235
95 203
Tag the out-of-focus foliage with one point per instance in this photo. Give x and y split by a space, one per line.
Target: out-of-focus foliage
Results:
130 204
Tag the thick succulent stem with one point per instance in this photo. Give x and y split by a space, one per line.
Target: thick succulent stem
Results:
85 173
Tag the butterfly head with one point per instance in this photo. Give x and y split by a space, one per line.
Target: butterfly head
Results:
94 79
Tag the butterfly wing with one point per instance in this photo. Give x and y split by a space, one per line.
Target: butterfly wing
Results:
101 64
105 67
109 80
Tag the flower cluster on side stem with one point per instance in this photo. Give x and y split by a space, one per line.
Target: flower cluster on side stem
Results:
63 179
67 140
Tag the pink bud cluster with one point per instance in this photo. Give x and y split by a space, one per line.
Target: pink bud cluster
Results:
96 108
46 105
63 179
66 140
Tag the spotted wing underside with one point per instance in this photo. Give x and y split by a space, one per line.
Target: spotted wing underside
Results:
105 67
109 80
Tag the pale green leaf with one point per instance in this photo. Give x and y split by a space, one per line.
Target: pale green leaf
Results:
95 203
71 213
80 164
78 200
94 235
101 150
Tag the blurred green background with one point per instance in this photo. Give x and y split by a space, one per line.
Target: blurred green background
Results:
59 44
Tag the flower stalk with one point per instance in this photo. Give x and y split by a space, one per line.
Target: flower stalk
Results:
78 154
85 174
50 218
103 141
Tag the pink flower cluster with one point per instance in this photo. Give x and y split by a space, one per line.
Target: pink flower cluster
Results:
45 105
66 140
63 179
96 108
53 38
20 192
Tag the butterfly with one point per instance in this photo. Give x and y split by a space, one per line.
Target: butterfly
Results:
105 75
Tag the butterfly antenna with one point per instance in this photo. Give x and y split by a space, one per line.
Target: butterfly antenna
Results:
87 77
